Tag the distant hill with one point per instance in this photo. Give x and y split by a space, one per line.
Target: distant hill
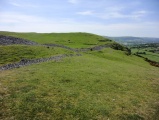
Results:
126 40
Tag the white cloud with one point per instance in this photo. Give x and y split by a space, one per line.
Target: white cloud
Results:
73 1
139 14
15 4
10 21
88 12
112 15
114 8
21 4
12 17
117 12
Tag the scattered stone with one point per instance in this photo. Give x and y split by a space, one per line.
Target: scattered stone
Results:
9 40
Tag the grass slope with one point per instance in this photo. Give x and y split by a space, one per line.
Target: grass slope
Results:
14 53
76 40
100 85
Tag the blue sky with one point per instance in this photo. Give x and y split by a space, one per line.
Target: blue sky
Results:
103 17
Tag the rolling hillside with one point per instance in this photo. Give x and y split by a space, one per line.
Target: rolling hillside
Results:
103 83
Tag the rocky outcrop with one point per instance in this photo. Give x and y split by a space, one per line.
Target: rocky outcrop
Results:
9 40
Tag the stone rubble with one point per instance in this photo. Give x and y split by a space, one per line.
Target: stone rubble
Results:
9 40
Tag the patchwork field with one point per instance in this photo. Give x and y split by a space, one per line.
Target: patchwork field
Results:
103 84
146 54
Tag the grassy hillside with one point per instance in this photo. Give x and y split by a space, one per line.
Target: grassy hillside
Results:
100 85
76 40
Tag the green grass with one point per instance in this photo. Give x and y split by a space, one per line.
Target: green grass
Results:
100 85
14 53
76 40
149 55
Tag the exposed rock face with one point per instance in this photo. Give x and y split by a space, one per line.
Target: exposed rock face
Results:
9 40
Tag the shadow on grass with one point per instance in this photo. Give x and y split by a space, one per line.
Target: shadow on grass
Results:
131 117
156 115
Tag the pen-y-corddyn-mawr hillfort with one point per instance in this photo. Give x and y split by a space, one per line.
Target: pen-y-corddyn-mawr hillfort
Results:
78 76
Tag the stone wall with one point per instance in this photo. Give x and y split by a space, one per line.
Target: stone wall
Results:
26 62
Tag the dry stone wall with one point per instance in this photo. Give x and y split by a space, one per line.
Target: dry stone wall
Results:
26 62
9 40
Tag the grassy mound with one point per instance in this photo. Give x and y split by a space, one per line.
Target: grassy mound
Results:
75 40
